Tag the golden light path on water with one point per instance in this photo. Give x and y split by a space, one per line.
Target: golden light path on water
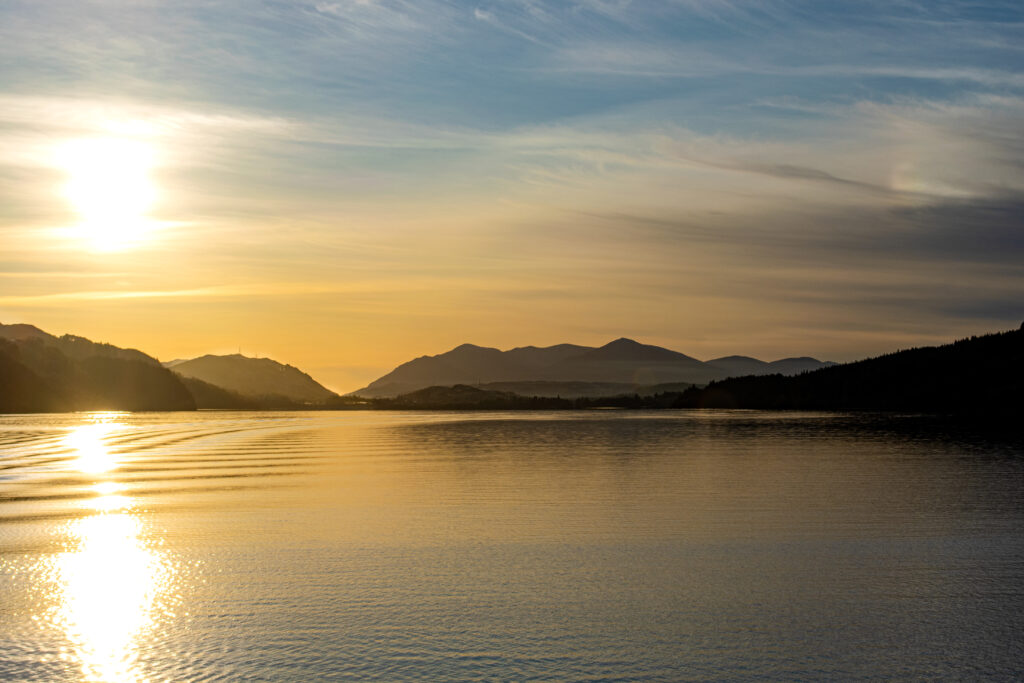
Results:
88 443
111 587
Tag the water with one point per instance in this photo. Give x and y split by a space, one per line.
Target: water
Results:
508 546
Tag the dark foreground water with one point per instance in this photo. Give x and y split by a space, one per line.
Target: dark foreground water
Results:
508 546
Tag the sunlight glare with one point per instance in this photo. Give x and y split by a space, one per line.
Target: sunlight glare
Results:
88 443
110 593
109 186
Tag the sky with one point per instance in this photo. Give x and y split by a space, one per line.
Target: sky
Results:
344 185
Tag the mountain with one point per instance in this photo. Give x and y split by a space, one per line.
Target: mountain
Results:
624 349
628 361
794 366
563 389
269 383
982 376
465 364
738 366
470 364
620 366
210 396
42 372
541 357
20 332
74 347
457 396
23 391
552 389
464 397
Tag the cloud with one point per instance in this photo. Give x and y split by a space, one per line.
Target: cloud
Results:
55 116
671 59
366 18
618 158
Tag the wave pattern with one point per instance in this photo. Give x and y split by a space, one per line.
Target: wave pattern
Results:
507 546
53 470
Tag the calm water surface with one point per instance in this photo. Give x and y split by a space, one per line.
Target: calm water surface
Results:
508 546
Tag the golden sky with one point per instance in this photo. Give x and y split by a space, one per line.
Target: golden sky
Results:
344 186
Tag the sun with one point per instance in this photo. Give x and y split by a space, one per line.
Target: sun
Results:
110 187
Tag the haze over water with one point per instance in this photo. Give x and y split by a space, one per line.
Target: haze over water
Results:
507 546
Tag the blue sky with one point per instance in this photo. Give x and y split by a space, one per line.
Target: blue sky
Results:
393 178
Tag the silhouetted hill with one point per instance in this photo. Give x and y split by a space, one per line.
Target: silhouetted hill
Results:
663 388
542 357
120 384
795 366
978 376
624 349
72 346
563 389
261 380
739 366
624 363
627 361
21 331
23 391
464 397
458 395
42 372
209 396
465 364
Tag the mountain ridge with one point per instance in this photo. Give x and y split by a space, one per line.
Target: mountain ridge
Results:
624 362
980 376
46 373
256 380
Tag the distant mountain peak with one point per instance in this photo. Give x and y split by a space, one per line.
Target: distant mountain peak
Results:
625 350
471 347
624 361
22 331
254 377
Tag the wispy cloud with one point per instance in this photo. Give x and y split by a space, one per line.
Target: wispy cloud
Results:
672 61
596 163
123 115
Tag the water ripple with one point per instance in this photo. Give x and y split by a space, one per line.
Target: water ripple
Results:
508 546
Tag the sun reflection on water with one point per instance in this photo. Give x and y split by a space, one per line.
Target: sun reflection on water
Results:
88 443
110 593
113 585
